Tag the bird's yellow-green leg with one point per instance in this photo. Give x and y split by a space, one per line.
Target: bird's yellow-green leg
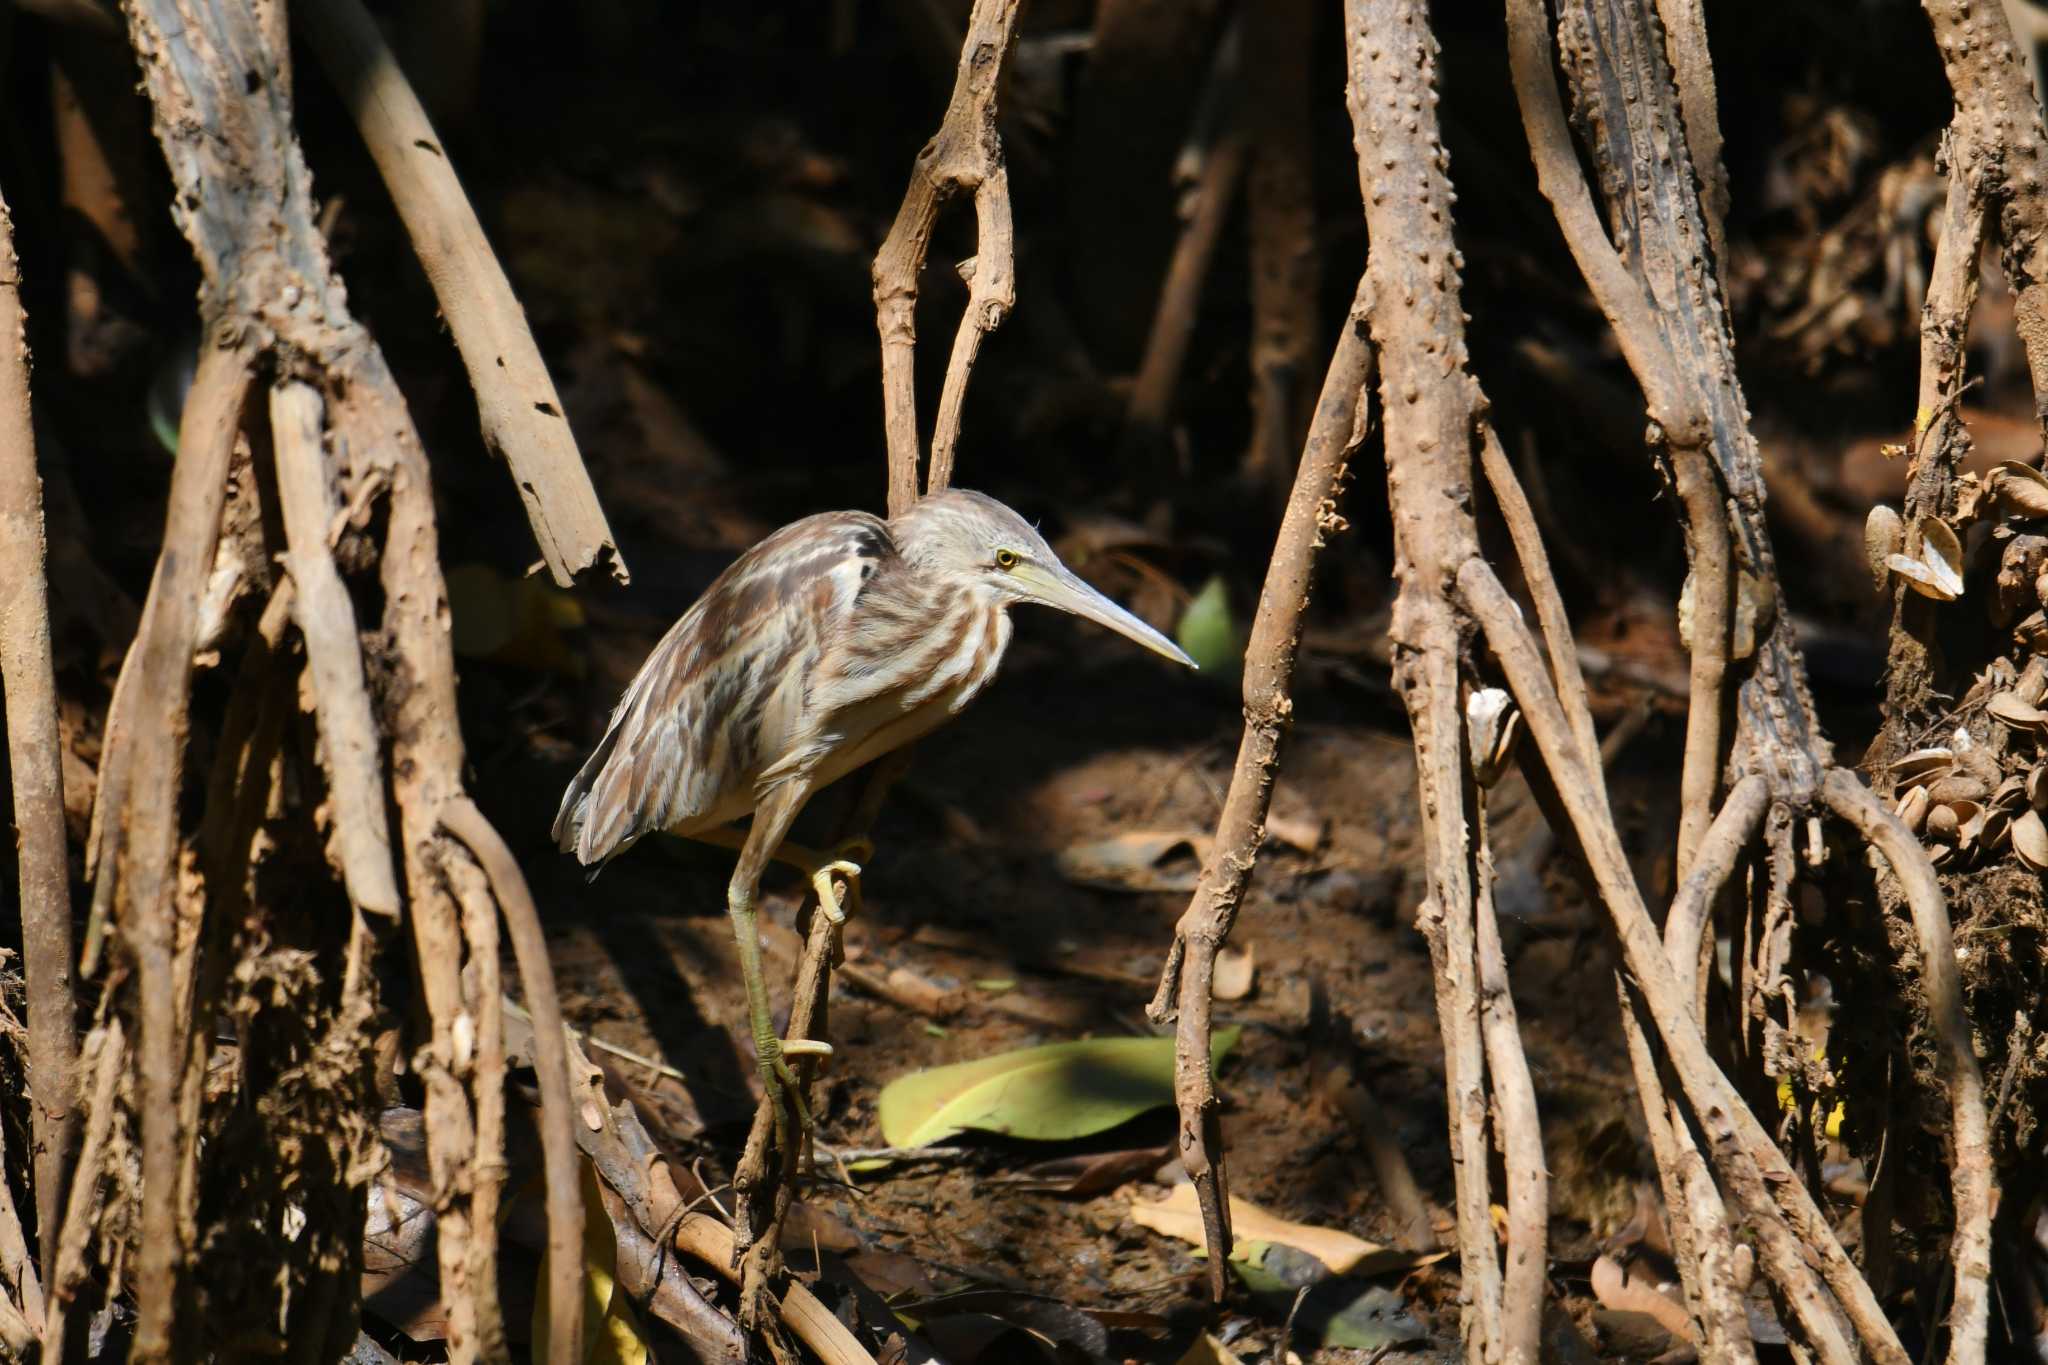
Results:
818 866
777 1080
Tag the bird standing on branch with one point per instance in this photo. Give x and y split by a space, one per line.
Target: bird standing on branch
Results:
837 639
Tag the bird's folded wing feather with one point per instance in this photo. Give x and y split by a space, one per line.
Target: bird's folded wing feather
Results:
721 697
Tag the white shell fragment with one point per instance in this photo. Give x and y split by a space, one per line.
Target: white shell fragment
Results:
1938 571
1495 723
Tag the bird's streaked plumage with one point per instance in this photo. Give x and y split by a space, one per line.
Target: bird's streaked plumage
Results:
831 642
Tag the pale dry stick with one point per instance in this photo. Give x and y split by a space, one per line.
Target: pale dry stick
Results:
142 831
1956 1059
1713 583
1706 1091
522 415
1431 407
104 1053
326 617
1180 293
565 1211
1686 941
1186 985
711 1242
33 741
965 156
485 987
1527 1276
1724 1332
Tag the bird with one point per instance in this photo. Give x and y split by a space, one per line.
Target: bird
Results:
836 640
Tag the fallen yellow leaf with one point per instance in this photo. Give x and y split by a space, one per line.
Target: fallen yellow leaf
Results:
1178 1215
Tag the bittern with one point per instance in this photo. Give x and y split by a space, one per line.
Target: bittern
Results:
837 639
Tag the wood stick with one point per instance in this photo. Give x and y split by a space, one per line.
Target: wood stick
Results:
965 156
33 749
487 1097
142 830
1432 408
349 747
1956 1060
1186 985
1687 941
523 420
551 1065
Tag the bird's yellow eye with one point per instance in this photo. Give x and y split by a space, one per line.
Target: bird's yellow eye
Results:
1006 559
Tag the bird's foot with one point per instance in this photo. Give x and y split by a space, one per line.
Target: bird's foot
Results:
828 895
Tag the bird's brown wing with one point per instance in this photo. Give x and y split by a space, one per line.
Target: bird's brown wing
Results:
717 700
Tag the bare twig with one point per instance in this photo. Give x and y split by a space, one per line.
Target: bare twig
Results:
522 415
1180 293
1685 41
965 156
1687 941
1941 984
1186 984
1280 198
472 890
327 619
551 1065
139 828
33 759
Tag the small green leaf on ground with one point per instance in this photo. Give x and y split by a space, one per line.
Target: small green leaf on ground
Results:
1050 1093
1208 632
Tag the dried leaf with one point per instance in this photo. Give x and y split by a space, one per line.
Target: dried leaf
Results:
1236 970
1912 809
2030 840
1179 1215
1922 766
611 1332
1208 1350
1883 534
2009 709
1131 861
1049 1093
1622 1292
1088 1173
2021 488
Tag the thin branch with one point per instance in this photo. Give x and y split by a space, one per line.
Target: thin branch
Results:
487 1088
140 826
462 819
523 420
1187 983
349 748
1525 1284
1749 1151
1686 939
1180 293
1956 1060
966 155
33 749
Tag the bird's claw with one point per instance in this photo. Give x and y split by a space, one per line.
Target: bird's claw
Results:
828 899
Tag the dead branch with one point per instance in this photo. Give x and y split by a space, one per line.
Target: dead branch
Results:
1186 985
1286 266
1685 43
17 1267
139 827
1686 940
1180 293
522 415
327 620
1998 144
483 981
965 156
551 1065
1431 408
33 749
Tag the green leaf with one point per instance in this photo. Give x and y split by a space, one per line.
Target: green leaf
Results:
1049 1093
1209 634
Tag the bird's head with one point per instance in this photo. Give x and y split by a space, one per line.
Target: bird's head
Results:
972 539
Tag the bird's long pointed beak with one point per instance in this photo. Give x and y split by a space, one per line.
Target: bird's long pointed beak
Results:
1058 587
